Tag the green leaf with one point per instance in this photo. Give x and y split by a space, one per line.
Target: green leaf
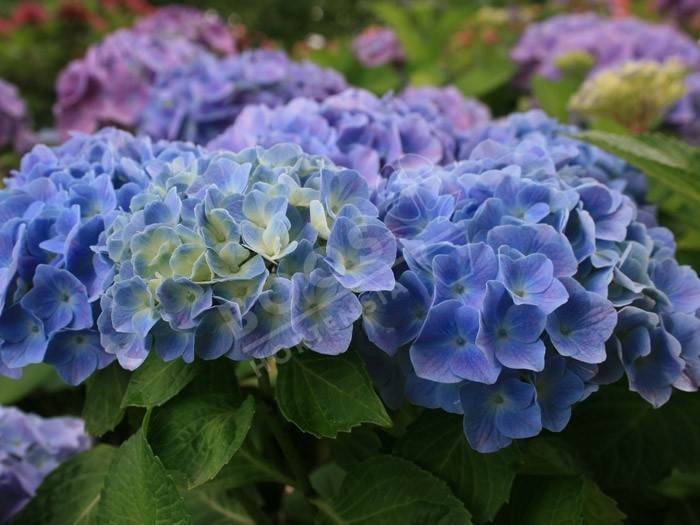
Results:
138 489
327 480
599 508
155 382
324 395
348 450
33 377
70 494
198 434
666 159
544 500
435 442
628 443
487 74
248 466
385 491
216 377
105 390
215 508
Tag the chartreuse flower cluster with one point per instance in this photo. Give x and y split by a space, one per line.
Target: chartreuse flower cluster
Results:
242 255
30 448
52 213
615 95
528 284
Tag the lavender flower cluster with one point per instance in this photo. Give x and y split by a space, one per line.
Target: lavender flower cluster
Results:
198 101
361 131
30 448
528 283
14 125
609 42
112 84
684 118
52 213
377 46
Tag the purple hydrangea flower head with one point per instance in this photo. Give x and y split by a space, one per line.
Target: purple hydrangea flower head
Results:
203 28
244 255
377 46
609 42
198 101
30 448
111 85
52 213
358 130
448 103
537 281
14 130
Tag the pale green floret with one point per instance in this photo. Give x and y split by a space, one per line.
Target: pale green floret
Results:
636 95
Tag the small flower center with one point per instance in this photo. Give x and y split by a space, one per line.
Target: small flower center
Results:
460 341
502 333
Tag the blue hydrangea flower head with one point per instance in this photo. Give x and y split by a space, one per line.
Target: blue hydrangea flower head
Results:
242 255
53 212
541 275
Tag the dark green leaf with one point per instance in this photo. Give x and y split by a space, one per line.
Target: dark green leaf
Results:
138 490
155 382
628 443
328 480
324 395
436 443
350 449
248 466
70 494
385 491
216 377
544 500
599 508
105 390
198 434
215 508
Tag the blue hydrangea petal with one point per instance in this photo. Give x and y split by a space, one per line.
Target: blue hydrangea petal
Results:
360 257
23 336
393 319
530 280
446 352
558 388
537 238
323 312
580 328
463 274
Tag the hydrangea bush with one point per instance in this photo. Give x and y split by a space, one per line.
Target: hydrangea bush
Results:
234 313
359 130
198 101
30 448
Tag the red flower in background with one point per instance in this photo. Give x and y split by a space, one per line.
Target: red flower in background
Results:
6 26
29 13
